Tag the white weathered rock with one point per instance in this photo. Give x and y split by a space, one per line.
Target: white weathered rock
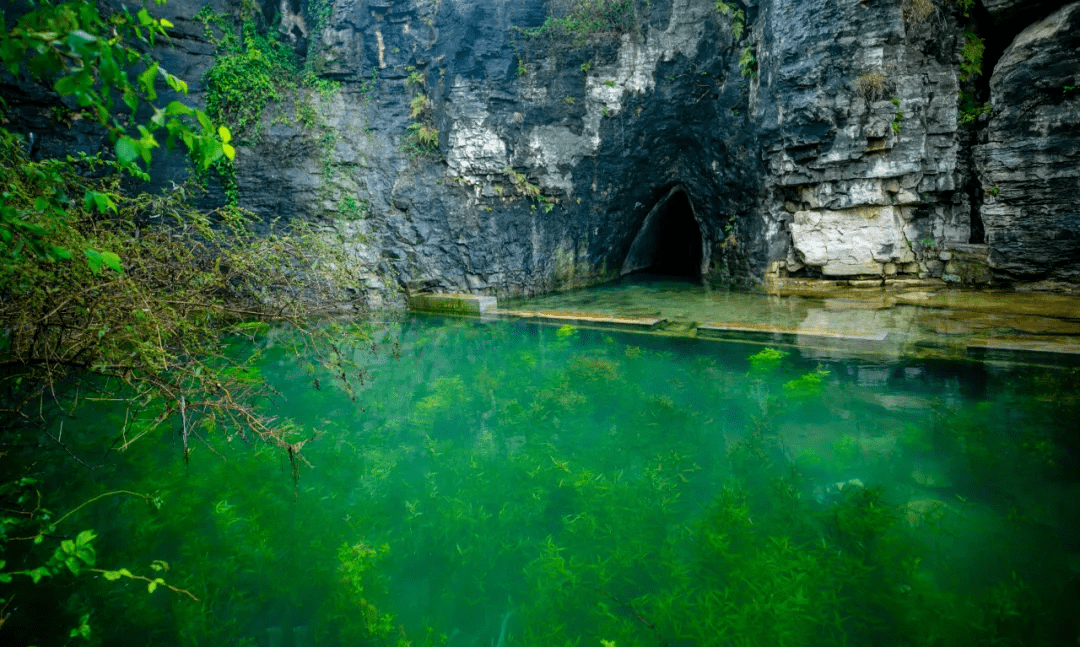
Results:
851 242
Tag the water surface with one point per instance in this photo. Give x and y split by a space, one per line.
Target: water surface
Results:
511 484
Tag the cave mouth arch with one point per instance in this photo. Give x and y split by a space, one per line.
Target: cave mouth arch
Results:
669 241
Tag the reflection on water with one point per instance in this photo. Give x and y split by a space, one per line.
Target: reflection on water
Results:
506 484
911 320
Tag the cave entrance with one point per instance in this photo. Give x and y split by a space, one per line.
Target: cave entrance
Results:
669 241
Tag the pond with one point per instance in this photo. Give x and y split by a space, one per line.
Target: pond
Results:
509 484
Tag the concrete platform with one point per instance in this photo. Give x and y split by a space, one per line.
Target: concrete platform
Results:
452 303
582 319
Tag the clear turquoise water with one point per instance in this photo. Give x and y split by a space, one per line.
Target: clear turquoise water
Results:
508 484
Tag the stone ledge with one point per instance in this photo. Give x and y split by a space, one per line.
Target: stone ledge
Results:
1023 346
583 319
464 304
783 334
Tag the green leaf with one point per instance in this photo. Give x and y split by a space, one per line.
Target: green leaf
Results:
112 576
229 151
102 202
151 586
224 133
94 259
132 100
67 85
84 538
73 565
80 41
39 573
113 261
176 108
126 150
165 23
147 79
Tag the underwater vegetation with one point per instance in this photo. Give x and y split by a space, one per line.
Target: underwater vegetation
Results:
511 485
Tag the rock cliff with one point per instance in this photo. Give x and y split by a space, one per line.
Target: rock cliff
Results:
473 146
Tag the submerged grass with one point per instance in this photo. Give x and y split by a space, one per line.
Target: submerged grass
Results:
541 486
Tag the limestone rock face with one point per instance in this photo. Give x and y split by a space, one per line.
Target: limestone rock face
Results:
819 141
1029 166
858 124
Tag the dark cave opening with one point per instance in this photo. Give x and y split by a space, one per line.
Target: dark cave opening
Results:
669 241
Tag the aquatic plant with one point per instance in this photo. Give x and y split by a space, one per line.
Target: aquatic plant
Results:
765 360
591 493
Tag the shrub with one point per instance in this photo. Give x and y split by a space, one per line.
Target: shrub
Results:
918 11
738 17
587 19
971 65
418 106
871 86
748 63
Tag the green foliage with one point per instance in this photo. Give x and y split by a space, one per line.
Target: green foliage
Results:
845 448
418 106
738 17
609 83
420 140
972 55
807 386
748 63
566 332
354 209
586 66
522 183
965 6
121 296
253 70
586 20
969 109
897 122
66 45
354 618
766 360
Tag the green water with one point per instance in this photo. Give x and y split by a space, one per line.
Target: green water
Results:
507 484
